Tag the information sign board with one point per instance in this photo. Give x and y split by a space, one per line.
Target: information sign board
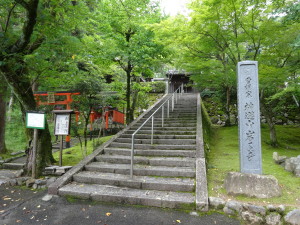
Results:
35 120
62 124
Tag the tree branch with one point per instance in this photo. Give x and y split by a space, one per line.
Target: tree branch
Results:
28 26
23 3
8 17
35 45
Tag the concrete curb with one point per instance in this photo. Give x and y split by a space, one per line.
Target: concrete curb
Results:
201 179
67 177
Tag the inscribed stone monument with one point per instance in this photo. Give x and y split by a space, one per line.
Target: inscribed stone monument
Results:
249 118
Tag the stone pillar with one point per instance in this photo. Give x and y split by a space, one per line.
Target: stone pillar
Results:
249 118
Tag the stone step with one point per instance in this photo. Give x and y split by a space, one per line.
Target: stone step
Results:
138 182
168 123
166 119
158 141
155 152
166 128
105 193
163 132
175 113
142 170
148 136
156 146
13 166
152 161
171 126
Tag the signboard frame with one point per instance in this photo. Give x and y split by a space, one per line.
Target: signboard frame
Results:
58 123
35 119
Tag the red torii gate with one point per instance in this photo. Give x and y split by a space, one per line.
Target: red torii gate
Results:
116 116
51 101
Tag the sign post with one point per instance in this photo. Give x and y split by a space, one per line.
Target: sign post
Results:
62 127
35 120
249 118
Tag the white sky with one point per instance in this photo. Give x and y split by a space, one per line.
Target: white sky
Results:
174 7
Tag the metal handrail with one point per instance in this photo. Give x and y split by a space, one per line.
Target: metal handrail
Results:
174 97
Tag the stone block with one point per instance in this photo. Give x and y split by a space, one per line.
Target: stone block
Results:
279 159
201 185
292 163
255 209
47 198
232 208
228 211
30 182
280 209
273 219
252 185
13 182
216 203
40 182
293 217
20 182
252 218
297 171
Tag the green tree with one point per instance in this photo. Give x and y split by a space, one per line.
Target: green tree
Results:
26 27
128 42
219 34
89 87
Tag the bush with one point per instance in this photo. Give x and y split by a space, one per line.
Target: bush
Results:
158 87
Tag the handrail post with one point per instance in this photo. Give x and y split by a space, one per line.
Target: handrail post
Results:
162 116
152 130
168 108
132 157
172 102
176 95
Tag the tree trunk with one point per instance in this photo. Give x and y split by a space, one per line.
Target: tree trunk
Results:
21 87
3 90
268 115
129 114
135 95
134 102
227 107
10 106
15 72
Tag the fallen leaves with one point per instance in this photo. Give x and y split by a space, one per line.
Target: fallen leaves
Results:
108 214
178 221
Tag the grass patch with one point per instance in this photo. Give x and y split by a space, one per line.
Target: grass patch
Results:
15 134
224 158
74 155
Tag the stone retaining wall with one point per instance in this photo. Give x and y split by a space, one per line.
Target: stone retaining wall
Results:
253 214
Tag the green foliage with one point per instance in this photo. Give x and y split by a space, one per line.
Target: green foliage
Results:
15 136
158 87
206 127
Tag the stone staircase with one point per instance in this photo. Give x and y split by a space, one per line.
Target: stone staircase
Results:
164 172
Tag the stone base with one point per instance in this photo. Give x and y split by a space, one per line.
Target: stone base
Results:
252 185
